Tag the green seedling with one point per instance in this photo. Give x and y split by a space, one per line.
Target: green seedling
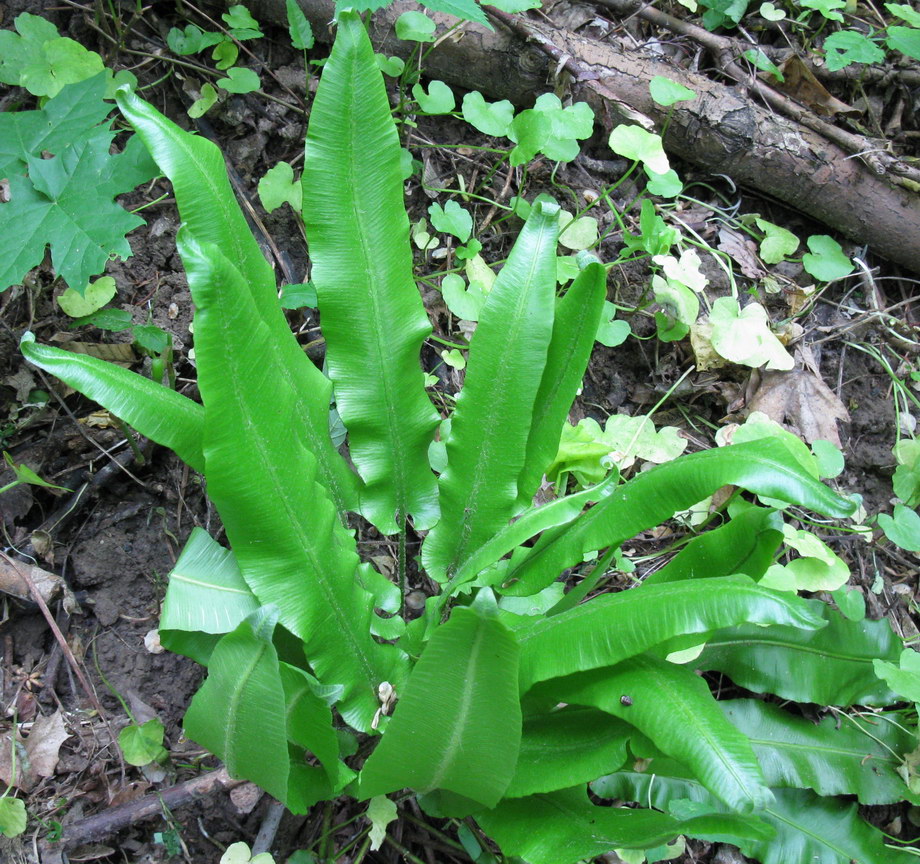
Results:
13 816
299 27
42 61
303 640
23 474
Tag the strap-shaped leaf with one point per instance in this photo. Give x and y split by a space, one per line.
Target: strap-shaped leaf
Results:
157 412
807 828
614 627
853 755
209 210
575 324
564 827
763 467
491 424
206 592
830 666
309 724
284 531
674 708
747 544
373 318
458 724
567 747
531 522
238 713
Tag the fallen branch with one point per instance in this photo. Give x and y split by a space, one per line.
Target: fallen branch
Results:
724 130
108 822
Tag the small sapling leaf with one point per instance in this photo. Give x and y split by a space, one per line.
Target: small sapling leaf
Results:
680 305
381 811
451 219
142 743
902 529
828 8
850 602
38 58
769 12
470 250
298 26
415 27
612 332
438 100
566 268
634 142
190 40
906 40
477 271
826 260
906 480
241 23
829 458
666 92
490 118
743 335
392 66
905 13
550 129
667 185
113 320
240 853
778 242
240 80
848 46
279 186
94 297
421 238
225 54
463 302
816 569
465 9
686 270
577 234
452 357
903 678
13 818
204 102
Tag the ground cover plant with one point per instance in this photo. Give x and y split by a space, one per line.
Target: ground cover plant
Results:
507 696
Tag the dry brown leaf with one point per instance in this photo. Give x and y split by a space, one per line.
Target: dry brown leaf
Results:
801 85
44 742
743 250
49 585
800 398
120 352
701 342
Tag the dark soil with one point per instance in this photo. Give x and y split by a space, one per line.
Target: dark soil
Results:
119 542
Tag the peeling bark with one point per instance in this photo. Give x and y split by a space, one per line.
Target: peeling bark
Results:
723 131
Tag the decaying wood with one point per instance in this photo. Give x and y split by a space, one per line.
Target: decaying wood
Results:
108 822
725 130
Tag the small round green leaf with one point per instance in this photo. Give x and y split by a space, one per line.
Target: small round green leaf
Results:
279 186
634 142
849 46
903 529
142 744
415 27
240 80
94 297
204 102
13 817
392 66
438 100
778 242
665 185
666 92
451 219
826 260
490 118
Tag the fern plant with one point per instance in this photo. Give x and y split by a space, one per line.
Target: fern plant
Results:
506 697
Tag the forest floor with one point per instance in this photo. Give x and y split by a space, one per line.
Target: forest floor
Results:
120 541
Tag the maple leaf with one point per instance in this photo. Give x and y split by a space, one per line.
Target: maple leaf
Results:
66 201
